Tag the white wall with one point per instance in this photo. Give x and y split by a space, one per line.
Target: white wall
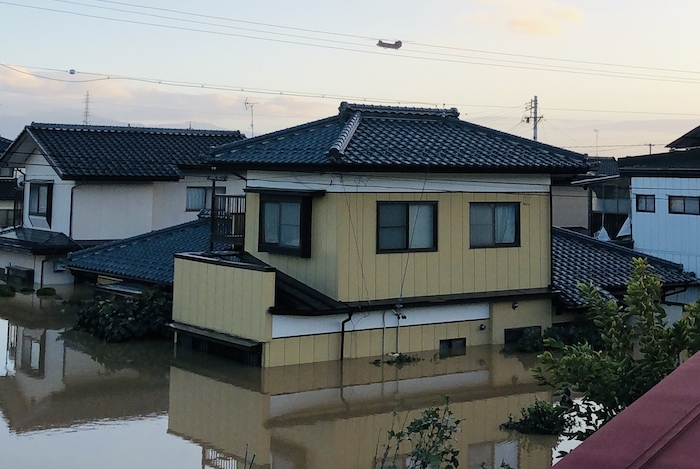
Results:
38 169
29 261
670 236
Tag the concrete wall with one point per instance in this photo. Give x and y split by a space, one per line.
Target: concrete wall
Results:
29 261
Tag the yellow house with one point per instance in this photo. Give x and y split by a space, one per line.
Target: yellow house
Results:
380 230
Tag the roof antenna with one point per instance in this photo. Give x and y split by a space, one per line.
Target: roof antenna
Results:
249 105
86 112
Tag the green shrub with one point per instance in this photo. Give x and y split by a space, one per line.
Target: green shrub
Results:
26 290
7 291
118 319
46 291
531 341
577 332
540 418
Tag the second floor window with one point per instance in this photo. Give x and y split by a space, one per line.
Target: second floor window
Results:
199 198
686 205
646 203
285 225
494 224
406 226
40 195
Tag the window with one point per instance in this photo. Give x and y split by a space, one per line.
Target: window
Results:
453 347
646 203
494 224
40 196
285 225
406 226
199 198
687 205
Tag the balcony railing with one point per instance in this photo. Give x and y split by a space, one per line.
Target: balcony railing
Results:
228 220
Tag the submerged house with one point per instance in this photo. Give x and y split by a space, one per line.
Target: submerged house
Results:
381 229
92 184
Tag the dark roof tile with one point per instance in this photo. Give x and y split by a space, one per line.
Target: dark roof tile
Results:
577 258
99 152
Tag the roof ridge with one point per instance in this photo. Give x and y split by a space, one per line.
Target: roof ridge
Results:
346 107
116 242
135 129
337 150
615 247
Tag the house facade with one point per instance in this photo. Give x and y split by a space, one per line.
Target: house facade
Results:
94 184
379 230
665 194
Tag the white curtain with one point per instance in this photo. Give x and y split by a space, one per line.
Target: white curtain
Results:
505 224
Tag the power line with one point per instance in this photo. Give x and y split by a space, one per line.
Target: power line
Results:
472 61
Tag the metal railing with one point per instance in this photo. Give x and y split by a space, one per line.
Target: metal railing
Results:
228 220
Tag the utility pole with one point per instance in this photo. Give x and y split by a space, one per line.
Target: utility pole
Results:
86 113
532 107
596 141
249 105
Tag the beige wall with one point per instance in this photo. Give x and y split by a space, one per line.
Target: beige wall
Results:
569 206
224 298
527 313
344 263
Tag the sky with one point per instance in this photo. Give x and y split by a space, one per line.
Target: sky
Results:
611 78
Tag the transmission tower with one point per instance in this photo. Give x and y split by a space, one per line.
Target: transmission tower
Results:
249 105
86 112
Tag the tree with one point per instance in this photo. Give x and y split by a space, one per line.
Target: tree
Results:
639 350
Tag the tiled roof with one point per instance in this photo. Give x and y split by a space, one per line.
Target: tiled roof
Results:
7 189
604 166
577 258
391 138
4 143
688 140
36 241
681 163
104 152
148 257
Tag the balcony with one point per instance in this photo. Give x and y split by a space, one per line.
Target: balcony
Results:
228 220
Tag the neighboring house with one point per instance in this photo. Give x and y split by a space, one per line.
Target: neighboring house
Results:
665 192
381 229
660 429
577 258
97 183
144 260
8 187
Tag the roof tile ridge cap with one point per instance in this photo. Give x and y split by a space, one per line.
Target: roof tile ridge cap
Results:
139 237
610 246
337 150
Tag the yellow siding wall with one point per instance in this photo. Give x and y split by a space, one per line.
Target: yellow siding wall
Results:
344 263
454 268
224 298
321 270
528 313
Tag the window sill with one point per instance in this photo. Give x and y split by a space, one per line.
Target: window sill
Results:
405 251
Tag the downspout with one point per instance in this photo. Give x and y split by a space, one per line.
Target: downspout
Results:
212 224
342 336
41 279
70 219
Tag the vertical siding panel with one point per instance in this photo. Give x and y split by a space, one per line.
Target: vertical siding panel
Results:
221 288
456 236
343 244
535 253
229 301
240 287
468 281
444 232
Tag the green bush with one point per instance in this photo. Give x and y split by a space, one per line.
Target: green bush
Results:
577 332
46 291
540 418
531 341
118 319
7 291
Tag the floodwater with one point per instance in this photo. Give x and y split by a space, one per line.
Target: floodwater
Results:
68 401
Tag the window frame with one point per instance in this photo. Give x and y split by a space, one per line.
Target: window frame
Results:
645 198
304 248
407 205
220 190
684 198
35 200
515 243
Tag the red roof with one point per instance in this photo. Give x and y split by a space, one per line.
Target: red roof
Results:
660 429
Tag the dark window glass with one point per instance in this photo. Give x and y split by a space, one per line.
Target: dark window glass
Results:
494 224
684 205
406 226
285 225
646 203
199 198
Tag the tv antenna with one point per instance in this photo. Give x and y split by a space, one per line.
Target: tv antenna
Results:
249 105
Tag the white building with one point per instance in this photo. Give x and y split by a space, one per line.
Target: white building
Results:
84 185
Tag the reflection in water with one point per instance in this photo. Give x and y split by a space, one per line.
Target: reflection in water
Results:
134 405
328 415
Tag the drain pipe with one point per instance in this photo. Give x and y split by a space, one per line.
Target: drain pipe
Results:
342 336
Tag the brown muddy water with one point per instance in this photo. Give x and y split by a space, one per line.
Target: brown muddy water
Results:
67 401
